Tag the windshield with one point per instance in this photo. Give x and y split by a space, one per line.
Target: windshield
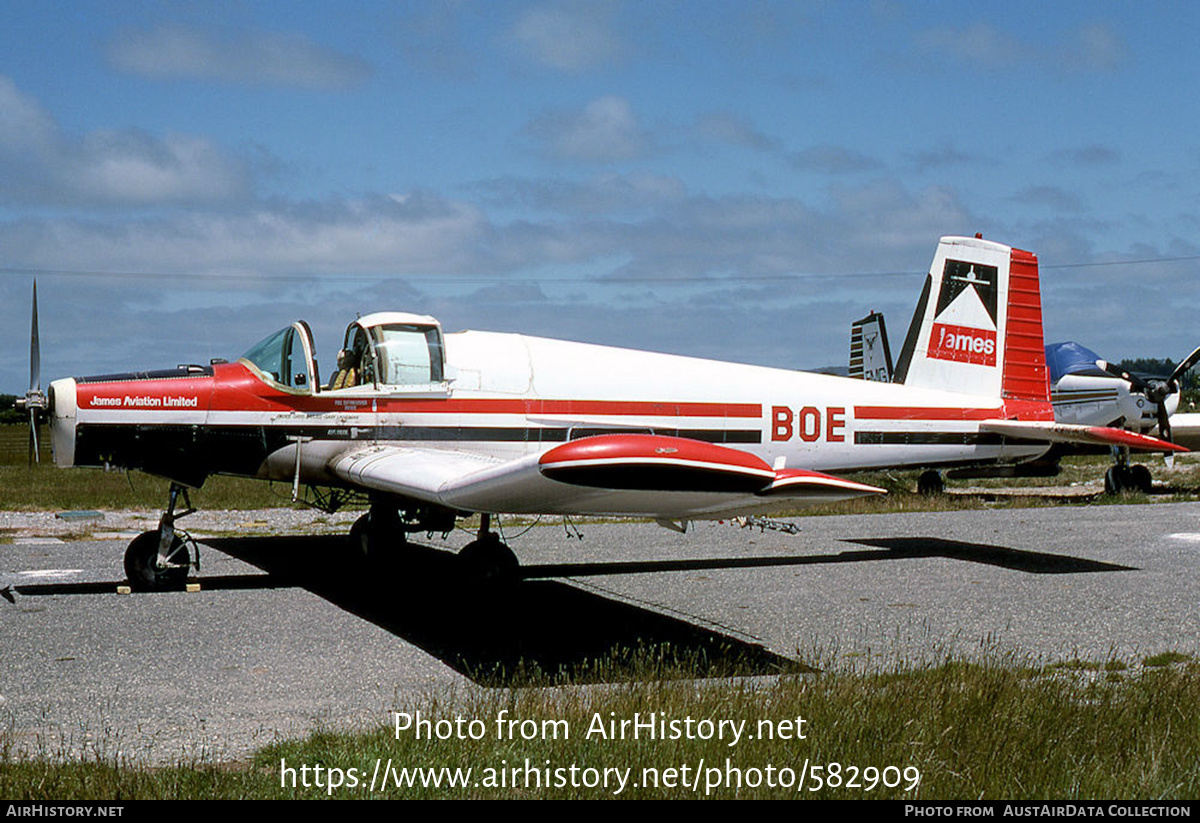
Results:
281 357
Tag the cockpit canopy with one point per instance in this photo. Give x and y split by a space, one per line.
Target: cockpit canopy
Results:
1072 358
395 351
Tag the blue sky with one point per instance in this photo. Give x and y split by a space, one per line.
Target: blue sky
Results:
730 180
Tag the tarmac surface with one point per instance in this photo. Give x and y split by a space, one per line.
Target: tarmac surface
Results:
291 633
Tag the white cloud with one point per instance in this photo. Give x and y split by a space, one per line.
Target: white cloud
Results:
42 166
1091 156
729 128
979 44
605 194
831 159
605 131
1095 47
269 59
24 124
568 37
421 235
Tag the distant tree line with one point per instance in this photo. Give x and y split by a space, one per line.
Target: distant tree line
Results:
8 410
1157 367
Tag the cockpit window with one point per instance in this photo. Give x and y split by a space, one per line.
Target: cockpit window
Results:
409 354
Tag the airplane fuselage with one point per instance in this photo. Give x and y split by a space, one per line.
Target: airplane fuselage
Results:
510 396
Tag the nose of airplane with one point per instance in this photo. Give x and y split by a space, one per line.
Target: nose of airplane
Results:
63 412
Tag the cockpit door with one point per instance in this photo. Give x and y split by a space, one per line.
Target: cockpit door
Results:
299 359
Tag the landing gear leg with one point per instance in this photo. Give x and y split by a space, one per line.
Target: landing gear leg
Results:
486 559
159 559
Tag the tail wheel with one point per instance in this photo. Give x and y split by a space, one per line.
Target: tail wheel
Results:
144 569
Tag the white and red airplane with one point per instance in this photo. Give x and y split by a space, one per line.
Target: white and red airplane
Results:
434 426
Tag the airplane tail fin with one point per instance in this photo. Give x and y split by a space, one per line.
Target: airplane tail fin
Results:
870 356
978 327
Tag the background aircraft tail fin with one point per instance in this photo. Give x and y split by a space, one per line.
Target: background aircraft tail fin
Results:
978 326
870 356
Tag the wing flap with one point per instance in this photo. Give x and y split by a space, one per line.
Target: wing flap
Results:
1088 435
810 484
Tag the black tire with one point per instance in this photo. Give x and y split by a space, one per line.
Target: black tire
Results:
489 562
930 482
376 538
1140 479
141 563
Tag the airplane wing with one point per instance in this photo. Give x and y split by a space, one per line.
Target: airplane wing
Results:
1185 429
1087 435
615 474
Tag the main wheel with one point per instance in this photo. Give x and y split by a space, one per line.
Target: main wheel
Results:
489 561
376 535
1140 479
142 566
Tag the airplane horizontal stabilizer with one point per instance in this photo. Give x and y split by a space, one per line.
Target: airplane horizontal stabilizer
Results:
1088 435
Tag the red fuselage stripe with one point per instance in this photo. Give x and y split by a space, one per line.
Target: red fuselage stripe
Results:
234 391
923 413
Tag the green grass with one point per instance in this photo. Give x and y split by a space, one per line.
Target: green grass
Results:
1165 659
44 487
996 729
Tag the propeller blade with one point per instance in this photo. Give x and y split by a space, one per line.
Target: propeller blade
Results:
1135 382
34 455
35 349
34 399
1187 363
1164 421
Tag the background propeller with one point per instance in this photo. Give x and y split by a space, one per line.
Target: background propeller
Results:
35 399
1156 389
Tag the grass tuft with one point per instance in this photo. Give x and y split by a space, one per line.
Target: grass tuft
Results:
987 729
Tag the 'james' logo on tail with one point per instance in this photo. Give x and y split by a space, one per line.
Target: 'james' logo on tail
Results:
964 323
962 344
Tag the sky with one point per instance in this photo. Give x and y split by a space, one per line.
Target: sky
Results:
733 180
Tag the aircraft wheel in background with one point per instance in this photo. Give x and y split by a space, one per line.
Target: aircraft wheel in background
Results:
930 482
1140 479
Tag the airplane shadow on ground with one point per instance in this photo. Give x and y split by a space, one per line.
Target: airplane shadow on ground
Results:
537 628
526 631
896 548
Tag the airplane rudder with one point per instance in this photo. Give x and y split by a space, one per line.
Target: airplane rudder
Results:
1025 375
